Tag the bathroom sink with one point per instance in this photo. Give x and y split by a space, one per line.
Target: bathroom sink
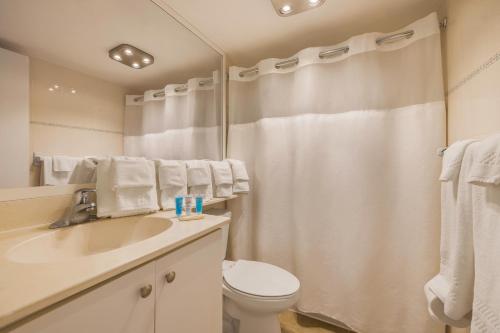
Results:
87 239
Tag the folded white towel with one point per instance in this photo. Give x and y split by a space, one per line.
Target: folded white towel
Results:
131 172
84 173
62 163
437 289
199 179
49 177
458 302
486 165
485 201
240 176
452 160
119 194
223 178
172 181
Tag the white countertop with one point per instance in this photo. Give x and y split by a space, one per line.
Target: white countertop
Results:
26 288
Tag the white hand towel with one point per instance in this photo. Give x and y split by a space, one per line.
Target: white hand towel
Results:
172 181
240 176
49 177
484 174
458 302
129 173
119 194
62 163
486 166
84 173
199 179
223 178
437 288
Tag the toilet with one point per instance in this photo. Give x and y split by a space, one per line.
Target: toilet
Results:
254 292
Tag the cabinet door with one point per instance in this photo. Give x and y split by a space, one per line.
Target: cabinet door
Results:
115 307
190 302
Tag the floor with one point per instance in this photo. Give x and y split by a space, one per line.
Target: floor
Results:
292 322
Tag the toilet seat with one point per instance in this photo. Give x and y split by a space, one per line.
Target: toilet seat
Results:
259 279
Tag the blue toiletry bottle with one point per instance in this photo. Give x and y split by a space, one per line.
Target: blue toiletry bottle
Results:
178 205
199 204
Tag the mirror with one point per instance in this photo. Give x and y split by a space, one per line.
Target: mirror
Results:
87 79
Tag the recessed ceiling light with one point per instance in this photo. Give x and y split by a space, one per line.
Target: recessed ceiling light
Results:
129 55
286 9
56 86
73 91
51 89
292 7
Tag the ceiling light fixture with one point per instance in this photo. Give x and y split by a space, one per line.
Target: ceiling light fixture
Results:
131 56
292 7
286 9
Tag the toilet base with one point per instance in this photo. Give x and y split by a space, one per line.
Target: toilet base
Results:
252 322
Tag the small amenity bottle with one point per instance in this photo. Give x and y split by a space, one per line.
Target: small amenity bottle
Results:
199 204
188 200
178 205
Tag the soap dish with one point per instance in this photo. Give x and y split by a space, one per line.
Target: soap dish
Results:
191 217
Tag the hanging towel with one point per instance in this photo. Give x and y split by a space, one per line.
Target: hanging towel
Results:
199 179
62 163
172 181
436 290
125 186
49 177
84 173
483 177
240 176
223 178
458 302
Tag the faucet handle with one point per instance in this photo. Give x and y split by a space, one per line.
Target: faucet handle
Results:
83 194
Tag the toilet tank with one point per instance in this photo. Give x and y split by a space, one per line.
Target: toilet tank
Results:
225 228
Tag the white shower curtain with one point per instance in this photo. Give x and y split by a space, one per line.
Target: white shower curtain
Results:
342 157
180 124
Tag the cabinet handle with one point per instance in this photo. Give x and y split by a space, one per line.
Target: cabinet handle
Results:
170 277
146 291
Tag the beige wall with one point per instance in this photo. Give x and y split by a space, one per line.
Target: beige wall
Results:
472 40
87 122
14 115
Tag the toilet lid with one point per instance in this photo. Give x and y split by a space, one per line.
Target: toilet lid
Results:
261 279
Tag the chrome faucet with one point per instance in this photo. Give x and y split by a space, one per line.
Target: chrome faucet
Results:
81 210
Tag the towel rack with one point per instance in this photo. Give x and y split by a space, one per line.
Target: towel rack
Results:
440 151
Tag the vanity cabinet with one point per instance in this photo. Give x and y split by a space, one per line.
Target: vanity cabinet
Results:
115 307
180 292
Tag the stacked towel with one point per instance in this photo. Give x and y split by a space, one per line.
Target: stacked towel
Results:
240 176
222 178
84 173
125 186
57 170
172 181
199 179
437 289
483 176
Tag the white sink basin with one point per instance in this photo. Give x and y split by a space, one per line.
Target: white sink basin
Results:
87 239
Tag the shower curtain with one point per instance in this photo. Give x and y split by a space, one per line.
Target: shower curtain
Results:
179 122
341 153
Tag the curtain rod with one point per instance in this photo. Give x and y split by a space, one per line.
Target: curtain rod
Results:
333 52
184 87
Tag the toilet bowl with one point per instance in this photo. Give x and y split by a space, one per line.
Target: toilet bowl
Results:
255 293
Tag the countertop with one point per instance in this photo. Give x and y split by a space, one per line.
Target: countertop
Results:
26 288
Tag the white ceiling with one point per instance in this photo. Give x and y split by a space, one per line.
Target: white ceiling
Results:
77 34
250 30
